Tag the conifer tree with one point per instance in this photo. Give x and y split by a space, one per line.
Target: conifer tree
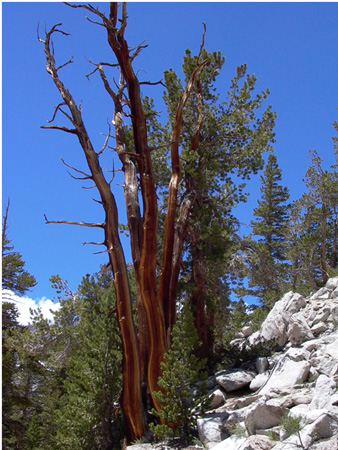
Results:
266 268
209 141
19 370
313 228
180 396
78 404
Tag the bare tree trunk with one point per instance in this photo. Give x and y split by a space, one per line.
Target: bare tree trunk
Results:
155 324
131 401
146 270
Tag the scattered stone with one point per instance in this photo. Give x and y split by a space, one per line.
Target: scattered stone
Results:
259 381
257 443
210 428
318 328
234 379
300 378
217 399
324 389
231 443
247 331
263 415
287 375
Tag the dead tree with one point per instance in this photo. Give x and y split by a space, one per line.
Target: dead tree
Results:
156 306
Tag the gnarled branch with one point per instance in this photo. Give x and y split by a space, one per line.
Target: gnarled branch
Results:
81 224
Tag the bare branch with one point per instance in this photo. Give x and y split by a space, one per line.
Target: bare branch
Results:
93 10
86 176
56 127
81 224
153 83
98 253
66 63
202 44
120 32
138 50
106 141
55 111
89 187
93 243
94 22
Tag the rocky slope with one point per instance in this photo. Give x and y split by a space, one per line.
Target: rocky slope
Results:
299 380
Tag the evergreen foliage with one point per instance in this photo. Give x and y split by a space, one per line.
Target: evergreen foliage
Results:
312 230
88 416
62 380
181 396
267 267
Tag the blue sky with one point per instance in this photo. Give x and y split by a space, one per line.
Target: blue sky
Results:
292 48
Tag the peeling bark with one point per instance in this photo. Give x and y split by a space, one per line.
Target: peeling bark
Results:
131 401
156 310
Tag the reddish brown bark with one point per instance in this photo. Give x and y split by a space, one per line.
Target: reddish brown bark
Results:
146 272
198 300
169 274
131 401
156 310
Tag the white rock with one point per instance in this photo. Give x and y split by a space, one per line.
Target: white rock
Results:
332 283
298 354
299 330
324 364
210 427
231 443
318 328
238 335
234 379
324 389
257 443
247 331
307 415
286 375
325 426
310 345
323 293
217 398
302 398
274 327
139 447
322 315
263 415
258 381
332 349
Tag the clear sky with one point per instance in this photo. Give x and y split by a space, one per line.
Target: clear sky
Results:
292 48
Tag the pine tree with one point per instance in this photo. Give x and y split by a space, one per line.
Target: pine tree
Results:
180 395
19 369
209 142
89 415
313 228
267 266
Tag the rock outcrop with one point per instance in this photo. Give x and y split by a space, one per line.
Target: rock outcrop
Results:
298 380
